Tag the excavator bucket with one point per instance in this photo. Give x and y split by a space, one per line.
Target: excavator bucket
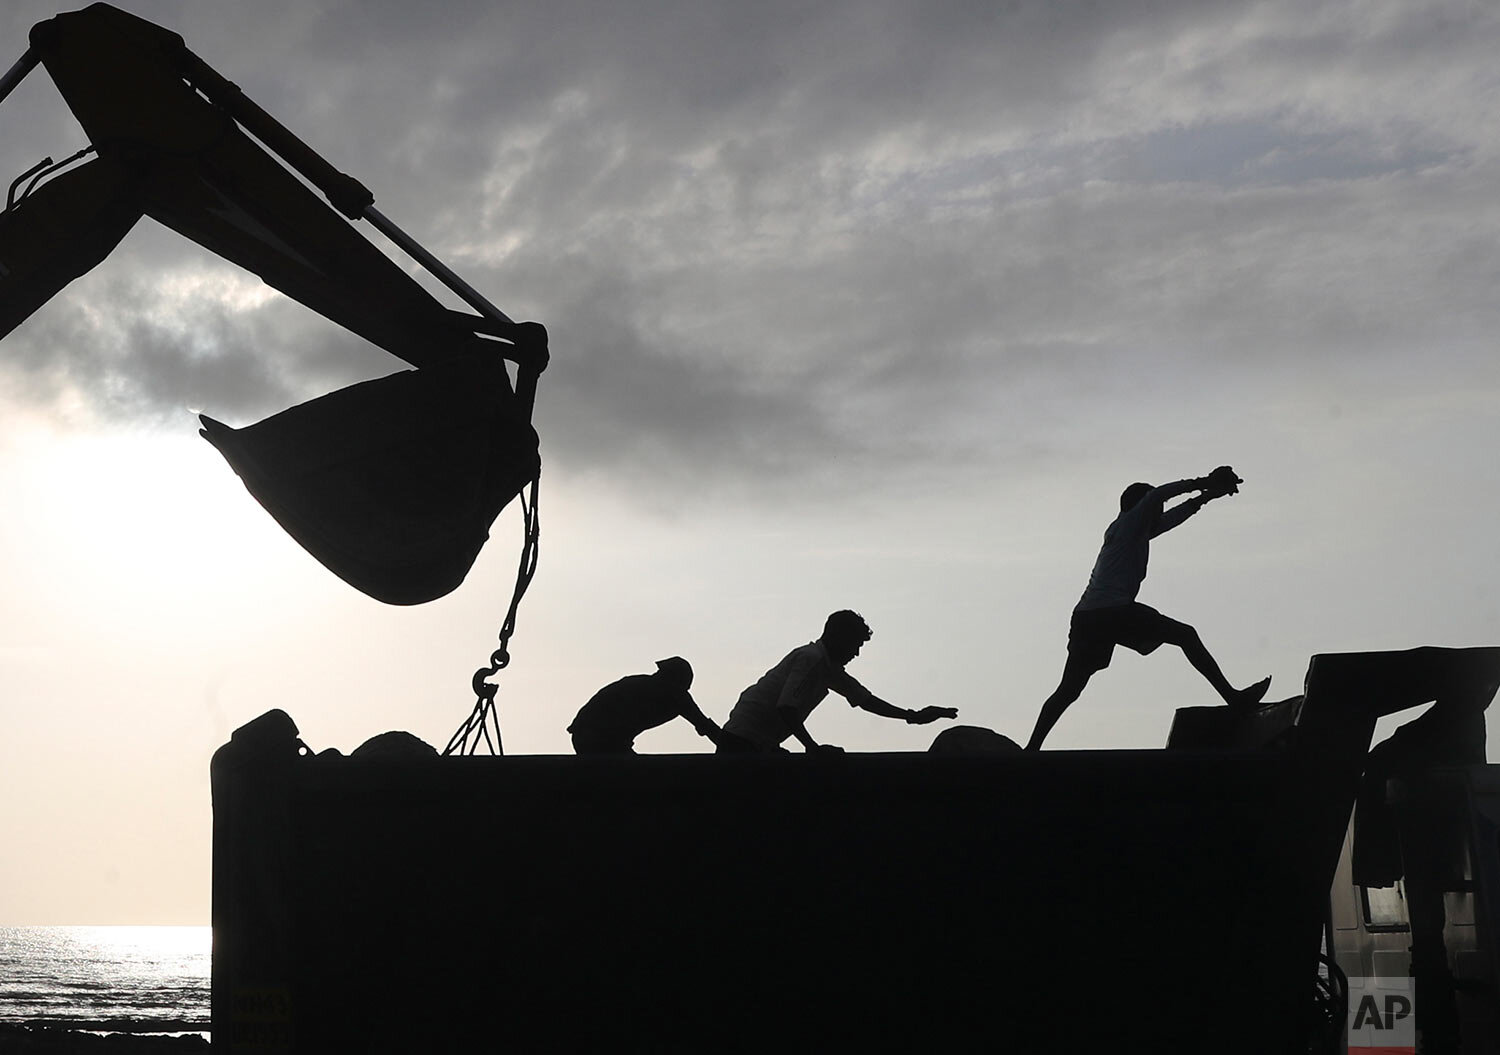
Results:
393 483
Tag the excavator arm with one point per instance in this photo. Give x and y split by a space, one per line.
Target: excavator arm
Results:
391 483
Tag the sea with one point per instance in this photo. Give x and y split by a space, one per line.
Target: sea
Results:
107 979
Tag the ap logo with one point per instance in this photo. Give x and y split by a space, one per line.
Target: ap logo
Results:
1380 1017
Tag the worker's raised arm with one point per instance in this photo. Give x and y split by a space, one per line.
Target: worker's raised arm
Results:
1161 495
1170 518
1217 484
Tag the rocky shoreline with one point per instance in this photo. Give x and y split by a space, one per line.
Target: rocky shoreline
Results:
102 1038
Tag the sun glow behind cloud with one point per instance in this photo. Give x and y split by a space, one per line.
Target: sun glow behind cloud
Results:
135 522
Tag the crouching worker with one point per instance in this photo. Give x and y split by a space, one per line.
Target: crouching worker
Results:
777 706
609 723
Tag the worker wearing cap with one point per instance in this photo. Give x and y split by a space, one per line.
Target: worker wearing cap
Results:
609 723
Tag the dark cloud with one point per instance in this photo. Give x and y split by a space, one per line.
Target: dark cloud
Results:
770 239
136 356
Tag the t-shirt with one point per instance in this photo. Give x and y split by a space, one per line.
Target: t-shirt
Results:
796 685
626 708
1121 566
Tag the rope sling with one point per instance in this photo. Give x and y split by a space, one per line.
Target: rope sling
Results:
482 727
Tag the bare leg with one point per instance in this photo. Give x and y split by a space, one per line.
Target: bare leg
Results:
1198 655
1068 690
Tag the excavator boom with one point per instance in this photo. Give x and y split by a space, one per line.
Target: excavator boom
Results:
392 484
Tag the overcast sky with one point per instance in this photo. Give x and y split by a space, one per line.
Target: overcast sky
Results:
869 305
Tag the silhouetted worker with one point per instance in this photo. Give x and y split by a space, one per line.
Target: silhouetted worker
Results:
615 715
777 705
1108 613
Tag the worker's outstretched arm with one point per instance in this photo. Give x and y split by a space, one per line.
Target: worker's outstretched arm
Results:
865 700
701 722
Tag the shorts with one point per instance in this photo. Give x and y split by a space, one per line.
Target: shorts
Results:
1094 632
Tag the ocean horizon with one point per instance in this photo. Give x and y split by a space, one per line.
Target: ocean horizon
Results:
107 978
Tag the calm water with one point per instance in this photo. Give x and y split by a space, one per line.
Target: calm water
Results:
113 976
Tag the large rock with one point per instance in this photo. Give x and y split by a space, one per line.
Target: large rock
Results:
973 740
395 744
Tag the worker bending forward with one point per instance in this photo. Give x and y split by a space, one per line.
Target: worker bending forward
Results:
615 715
777 706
